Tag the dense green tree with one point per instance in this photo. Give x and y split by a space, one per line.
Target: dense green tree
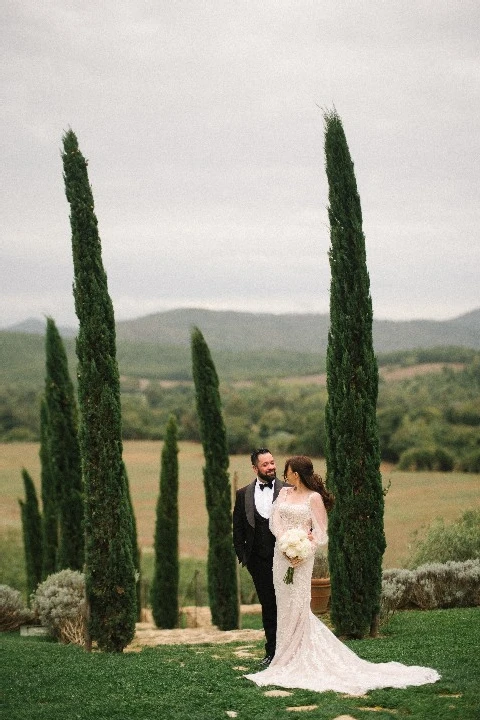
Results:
32 533
49 500
110 571
166 571
136 553
222 577
64 452
312 440
357 540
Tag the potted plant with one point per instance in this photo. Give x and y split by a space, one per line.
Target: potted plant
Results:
320 596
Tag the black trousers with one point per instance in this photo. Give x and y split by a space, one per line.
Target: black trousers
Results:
261 570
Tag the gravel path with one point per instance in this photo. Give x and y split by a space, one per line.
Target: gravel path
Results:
198 630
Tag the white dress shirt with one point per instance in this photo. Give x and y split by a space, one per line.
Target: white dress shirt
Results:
263 500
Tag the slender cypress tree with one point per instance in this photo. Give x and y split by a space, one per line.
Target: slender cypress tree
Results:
357 540
166 573
64 452
222 577
49 502
136 555
110 571
32 534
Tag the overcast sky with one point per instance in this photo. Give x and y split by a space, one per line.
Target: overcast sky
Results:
202 124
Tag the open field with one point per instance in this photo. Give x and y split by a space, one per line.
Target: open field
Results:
388 373
413 501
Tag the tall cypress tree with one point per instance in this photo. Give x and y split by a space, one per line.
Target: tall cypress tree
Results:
222 577
64 452
357 540
164 594
49 501
32 533
110 571
136 554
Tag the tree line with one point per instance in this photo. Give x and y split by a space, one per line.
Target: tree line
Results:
417 413
440 409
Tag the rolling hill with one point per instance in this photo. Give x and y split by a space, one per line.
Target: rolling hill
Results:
302 333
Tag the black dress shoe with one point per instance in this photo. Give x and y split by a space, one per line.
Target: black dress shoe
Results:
266 661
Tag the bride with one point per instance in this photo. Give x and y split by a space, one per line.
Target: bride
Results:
308 655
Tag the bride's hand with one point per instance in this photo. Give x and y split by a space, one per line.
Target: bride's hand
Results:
294 562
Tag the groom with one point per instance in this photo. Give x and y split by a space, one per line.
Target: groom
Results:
253 541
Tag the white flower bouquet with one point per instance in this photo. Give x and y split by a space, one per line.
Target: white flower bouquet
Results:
294 543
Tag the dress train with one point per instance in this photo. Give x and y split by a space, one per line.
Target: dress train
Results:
309 655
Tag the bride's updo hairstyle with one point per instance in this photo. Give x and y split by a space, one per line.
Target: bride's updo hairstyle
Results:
302 465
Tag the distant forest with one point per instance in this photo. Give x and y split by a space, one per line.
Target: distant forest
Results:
426 420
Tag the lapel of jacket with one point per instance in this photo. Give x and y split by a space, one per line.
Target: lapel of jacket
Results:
278 485
250 503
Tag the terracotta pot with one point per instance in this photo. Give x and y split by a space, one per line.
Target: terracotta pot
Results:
320 595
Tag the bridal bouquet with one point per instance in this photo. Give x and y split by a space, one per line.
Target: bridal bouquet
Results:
294 543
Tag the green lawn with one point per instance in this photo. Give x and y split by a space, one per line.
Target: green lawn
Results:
45 680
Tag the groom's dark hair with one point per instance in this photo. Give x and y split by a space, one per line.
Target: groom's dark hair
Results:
256 453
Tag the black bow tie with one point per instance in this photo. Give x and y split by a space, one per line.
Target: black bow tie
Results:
263 485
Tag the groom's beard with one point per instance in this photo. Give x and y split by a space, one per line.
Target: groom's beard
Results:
267 478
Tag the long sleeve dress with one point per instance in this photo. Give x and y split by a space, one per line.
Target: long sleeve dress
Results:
308 654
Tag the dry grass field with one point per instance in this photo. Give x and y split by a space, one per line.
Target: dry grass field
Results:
387 373
413 501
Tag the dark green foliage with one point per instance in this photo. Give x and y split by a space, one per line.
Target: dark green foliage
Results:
32 534
166 572
19 417
441 543
49 500
424 356
312 441
64 452
357 540
426 458
436 409
12 559
136 552
110 571
240 437
467 413
222 577
471 463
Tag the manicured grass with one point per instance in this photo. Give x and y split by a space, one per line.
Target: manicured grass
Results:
43 680
253 621
413 500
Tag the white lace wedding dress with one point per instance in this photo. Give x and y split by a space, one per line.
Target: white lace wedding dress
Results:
308 655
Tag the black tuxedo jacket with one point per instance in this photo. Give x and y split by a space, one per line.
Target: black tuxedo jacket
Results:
244 518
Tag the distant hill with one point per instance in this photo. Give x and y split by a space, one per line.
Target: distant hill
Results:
470 319
35 326
302 333
228 330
